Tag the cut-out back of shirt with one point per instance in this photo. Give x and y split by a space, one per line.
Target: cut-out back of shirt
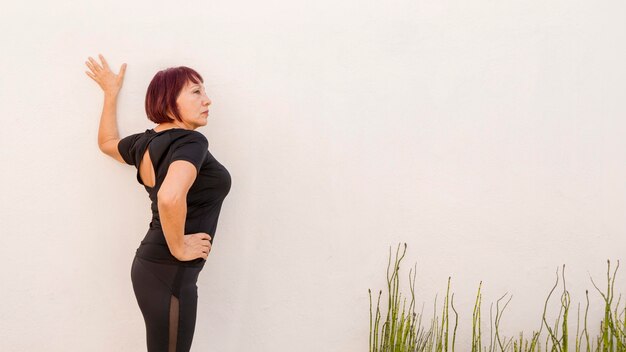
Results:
147 169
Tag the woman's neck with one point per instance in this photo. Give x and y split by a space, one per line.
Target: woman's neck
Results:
167 126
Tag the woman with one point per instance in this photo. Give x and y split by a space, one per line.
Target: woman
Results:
187 187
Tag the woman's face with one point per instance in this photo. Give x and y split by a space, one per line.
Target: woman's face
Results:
193 105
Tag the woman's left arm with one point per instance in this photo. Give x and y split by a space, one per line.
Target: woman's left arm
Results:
108 136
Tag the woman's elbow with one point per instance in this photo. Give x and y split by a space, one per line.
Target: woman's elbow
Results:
165 198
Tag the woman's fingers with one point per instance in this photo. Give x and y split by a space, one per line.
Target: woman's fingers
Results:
96 66
90 66
95 74
122 72
104 62
206 247
91 76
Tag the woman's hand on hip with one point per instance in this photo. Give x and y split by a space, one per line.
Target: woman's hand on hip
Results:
197 245
110 82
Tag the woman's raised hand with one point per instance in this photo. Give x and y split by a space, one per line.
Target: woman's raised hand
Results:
106 79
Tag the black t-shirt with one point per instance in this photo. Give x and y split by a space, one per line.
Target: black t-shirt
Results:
205 197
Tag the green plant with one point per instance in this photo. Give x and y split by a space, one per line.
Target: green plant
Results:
402 330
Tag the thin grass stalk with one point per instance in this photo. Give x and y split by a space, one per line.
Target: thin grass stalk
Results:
551 334
424 336
434 325
371 322
394 300
577 344
479 322
624 326
447 332
607 326
556 327
385 336
616 333
391 312
407 344
491 344
616 325
442 341
587 331
412 336
456 321
386 327
607 310
565 302
377 324
433 332
399 325
400 334
504 347
534 342
409 329
476 345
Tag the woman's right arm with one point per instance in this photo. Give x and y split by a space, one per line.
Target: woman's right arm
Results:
111 84
172 205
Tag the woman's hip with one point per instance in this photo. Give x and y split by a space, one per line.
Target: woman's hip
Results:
150 275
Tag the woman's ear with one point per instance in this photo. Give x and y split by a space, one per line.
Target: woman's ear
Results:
170 114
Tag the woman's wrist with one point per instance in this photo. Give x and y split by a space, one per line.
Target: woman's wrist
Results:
110 95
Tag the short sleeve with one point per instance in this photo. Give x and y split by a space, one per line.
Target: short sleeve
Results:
126 146
192 148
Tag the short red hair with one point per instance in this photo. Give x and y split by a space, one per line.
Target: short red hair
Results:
163 91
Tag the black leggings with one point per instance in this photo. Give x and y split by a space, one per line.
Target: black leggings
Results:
168 299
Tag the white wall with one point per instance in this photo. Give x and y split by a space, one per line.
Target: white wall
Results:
488 135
